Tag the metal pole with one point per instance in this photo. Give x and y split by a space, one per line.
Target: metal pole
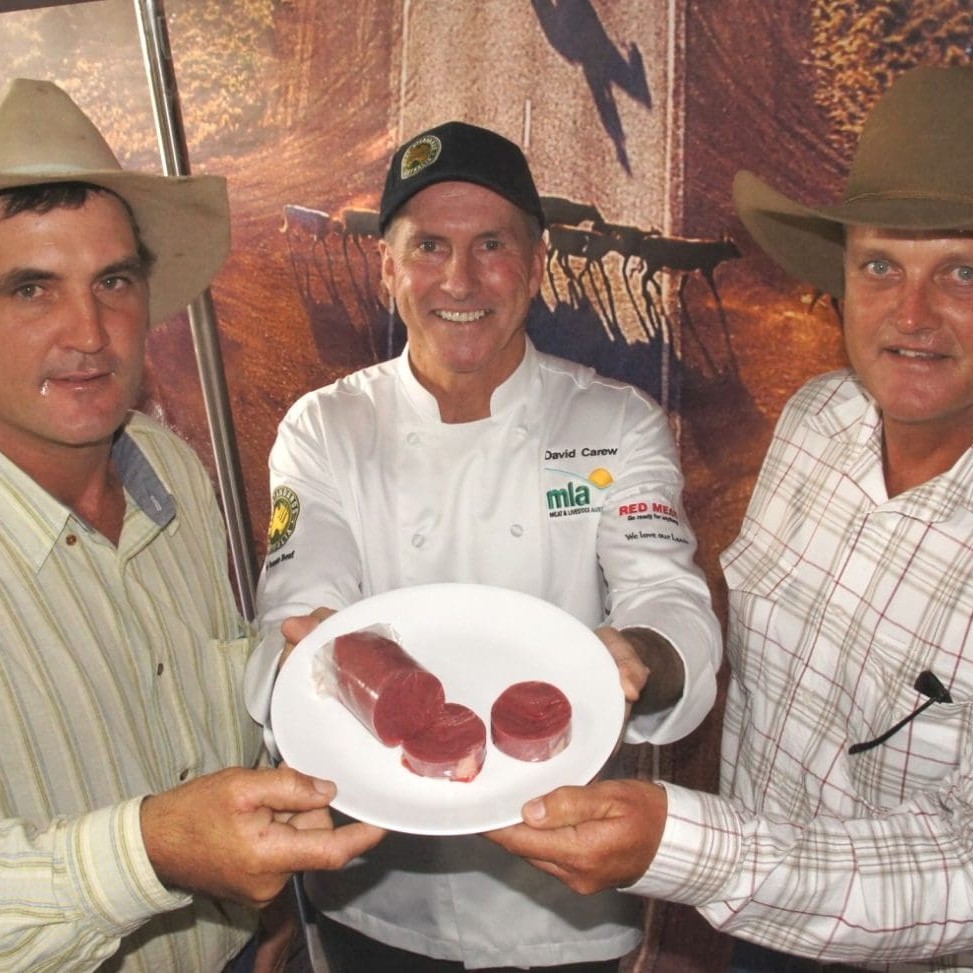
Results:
202 315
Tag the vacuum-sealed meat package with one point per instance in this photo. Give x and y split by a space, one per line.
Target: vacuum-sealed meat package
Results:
368 671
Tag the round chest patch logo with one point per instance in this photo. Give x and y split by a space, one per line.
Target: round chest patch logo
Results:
283 517
422 153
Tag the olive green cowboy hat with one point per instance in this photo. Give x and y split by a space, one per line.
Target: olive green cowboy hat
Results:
913 170
183 220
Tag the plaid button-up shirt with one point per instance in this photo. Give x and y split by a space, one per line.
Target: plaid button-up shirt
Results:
839 598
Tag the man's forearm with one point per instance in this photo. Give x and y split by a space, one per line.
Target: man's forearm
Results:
667 675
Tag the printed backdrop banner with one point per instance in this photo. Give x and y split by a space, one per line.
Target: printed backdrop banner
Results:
634 114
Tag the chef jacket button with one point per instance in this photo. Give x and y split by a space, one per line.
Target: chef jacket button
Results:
413 439
522 432
516 530
418 540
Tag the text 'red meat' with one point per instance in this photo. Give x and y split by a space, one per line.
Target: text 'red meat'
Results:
391 693
453 747
531 721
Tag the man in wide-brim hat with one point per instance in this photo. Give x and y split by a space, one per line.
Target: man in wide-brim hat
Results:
184 221
123 649
842 833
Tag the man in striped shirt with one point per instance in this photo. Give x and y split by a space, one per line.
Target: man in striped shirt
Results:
125 843
844 829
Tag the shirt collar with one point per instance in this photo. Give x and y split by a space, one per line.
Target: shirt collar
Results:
142 482
513 392
34 520
850 414
853 417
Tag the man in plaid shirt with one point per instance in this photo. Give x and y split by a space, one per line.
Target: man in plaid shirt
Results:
844 828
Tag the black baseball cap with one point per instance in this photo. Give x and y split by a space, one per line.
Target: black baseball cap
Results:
456 151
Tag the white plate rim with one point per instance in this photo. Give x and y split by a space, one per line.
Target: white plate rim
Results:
436 807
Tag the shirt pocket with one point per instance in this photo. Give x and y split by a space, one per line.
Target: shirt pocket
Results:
233 655
924 752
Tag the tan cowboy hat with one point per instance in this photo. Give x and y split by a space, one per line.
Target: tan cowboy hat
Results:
184 220
913 170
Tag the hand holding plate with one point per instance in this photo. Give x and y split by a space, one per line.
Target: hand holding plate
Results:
601 836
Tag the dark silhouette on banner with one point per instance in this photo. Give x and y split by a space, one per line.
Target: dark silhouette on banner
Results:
611 295
573 29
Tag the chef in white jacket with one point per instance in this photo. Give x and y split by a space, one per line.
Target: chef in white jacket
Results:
473 457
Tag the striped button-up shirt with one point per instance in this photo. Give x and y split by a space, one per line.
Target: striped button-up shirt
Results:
839 598
121 676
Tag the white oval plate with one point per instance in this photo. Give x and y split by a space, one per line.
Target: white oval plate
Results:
478 640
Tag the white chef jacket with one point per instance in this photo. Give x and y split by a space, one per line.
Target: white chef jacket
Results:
570 491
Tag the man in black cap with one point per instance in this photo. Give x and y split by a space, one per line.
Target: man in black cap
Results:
474 458
844 832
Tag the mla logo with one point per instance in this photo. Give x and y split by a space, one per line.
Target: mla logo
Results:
575 498
573 495
283 517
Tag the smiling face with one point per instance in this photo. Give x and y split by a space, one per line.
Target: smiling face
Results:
73 323
908 318
463 265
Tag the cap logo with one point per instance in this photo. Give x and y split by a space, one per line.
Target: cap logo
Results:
420 155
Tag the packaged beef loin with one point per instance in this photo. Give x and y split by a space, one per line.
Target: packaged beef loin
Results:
377 680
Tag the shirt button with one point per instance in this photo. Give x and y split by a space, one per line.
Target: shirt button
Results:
71 540
516 530
418 540
159 668
413 439
183 774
